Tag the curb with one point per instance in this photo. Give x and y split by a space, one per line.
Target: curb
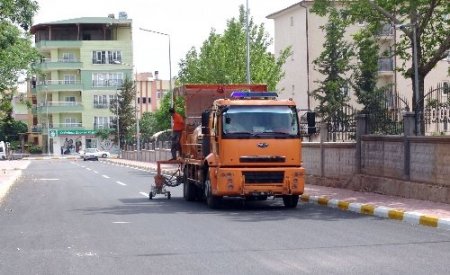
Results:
414 218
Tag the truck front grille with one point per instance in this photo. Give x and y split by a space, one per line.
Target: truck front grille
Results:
258 177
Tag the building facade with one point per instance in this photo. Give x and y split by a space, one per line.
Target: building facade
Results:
298 27
84 62
150 90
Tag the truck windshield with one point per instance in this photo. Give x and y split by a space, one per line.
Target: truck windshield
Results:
251 121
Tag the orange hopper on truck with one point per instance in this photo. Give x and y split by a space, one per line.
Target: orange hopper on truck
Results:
239 141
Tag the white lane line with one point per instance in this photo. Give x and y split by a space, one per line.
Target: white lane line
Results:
144 194
46 179
105 176
89 169
121 183
121 222
95 172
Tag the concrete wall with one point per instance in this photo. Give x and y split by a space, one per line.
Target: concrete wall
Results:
412 167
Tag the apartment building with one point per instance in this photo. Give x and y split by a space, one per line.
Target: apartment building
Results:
84 62
298 27
150 90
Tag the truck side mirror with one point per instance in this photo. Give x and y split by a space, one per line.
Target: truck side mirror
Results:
311 119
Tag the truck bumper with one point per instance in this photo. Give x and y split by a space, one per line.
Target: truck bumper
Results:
258 181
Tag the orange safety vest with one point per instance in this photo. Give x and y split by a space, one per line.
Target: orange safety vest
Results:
178 122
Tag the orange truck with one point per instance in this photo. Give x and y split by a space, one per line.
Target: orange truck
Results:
239 141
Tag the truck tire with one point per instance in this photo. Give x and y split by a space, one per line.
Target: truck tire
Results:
189 189
212 201
290 201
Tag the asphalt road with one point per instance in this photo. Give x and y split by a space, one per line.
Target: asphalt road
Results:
75 217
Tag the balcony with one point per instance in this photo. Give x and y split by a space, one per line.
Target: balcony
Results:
108 84
58 85
60 107
386 32
108 126
61 64
55 44
385 66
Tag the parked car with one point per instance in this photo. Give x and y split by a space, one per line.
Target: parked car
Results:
94 154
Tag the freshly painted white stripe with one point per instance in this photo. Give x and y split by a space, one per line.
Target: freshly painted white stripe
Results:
355 207
95 172
144 194
412 217
382 211
444 224
121 183
105 176
120 222
89 169
44 179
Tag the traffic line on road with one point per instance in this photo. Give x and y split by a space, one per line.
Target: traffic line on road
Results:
95 172
144 194
380 211
105 176
121 183
89 169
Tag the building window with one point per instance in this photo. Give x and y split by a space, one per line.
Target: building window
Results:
69 79
69 100
292 21
70 122
106 57
100 101
107 79
68 57
102 122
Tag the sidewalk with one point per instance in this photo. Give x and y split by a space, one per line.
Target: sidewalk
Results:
10 170
409 210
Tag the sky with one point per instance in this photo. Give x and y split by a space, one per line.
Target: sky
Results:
188 23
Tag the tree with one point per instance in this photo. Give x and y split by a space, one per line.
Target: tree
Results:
147 126
16 51
429 19
160 120
365 78
333 63
126 111
222 57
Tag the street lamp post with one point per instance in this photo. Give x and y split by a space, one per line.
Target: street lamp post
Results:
170 61
248 43
138 138
117 117
48 119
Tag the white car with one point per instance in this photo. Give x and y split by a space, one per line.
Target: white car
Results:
94 154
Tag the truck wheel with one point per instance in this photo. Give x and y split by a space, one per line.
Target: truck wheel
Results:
290 201
212 201
189 190
150 195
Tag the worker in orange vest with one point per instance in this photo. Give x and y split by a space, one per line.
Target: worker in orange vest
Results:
177 129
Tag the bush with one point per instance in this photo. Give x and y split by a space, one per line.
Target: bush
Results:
34 149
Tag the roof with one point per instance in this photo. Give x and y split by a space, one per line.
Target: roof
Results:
299 4
84 20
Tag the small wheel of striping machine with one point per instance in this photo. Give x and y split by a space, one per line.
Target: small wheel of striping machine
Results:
171 178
